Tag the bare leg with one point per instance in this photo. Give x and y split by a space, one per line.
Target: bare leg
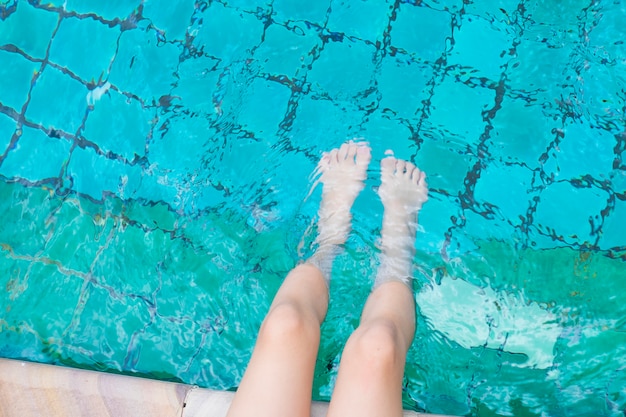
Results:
279 378
369 382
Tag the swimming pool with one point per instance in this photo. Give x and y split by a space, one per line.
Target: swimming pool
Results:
155 158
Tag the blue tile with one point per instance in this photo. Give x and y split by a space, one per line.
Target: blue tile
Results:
228 33
172 17
264 107
86 170
521 132
198 83
142 67
366 20
85 47
287 50
176 134
451 99
493 53
445 162
16 74
7 128
311 11
110 9
401 97
29 29
567 211
421 31
248 5
58 101
36 156
119 124
614 228
582 143
507 188
344 69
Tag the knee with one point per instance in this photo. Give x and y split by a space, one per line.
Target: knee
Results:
287 321
379 345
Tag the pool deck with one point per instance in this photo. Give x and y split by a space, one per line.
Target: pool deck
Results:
32 389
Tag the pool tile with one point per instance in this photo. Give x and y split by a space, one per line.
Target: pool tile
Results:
501 12
344 69
142 67
287 50
166 337
321 124
603 44
19 71
141 278
36 157
24 231
164 148
521 132
508 188
85 168
583 143
108 10
198 83
366 20
264 107
486 60
614 227
85 47
77 232
381 129
95 332
15 29
560 211
171 17
449 5
451 99
402 98
56 304
54 87
446 163
7 128
310 11
119 124
421 31
227 33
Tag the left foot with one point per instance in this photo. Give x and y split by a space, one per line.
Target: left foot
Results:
343 172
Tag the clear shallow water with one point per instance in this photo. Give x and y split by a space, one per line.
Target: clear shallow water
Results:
154 160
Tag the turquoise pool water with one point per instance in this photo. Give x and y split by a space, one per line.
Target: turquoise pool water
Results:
155 157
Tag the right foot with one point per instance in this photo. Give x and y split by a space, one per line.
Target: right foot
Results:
403 191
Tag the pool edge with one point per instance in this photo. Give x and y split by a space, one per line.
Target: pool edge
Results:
34 389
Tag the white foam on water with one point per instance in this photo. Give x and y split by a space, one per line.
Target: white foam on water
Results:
473 316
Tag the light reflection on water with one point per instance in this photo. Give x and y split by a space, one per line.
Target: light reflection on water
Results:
156 248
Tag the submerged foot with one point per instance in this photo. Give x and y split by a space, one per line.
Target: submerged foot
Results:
403 191
342 173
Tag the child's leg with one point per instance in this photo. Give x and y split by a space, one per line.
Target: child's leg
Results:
279 378
369 382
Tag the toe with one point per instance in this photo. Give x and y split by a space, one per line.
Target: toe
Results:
401 167
363 154
352 150
343 151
